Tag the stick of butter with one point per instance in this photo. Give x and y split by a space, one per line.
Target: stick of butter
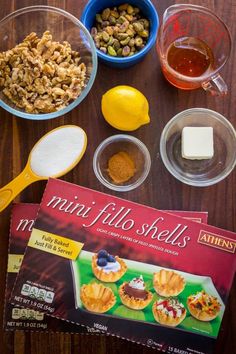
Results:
197 143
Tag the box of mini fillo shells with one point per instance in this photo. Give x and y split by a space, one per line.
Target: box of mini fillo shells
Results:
16 318
22 221
126 269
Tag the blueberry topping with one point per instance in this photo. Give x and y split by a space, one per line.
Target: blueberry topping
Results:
102 254
111 258
102 262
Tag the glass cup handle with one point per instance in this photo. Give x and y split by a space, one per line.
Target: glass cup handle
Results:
216 86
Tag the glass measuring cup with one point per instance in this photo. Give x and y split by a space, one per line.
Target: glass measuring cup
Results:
189 23
55 154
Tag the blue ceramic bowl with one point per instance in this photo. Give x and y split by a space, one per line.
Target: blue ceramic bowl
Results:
96 6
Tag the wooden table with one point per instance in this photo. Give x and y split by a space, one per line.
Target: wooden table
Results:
161 190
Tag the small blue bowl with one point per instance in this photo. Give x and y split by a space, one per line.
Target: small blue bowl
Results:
147 8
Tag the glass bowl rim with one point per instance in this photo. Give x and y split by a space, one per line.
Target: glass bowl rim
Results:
135 141
76 102
165 159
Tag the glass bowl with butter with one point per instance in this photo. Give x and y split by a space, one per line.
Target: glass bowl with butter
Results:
198 147
121 162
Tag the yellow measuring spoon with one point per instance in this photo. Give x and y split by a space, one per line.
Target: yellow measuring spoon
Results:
55 154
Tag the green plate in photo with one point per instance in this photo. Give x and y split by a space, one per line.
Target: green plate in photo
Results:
83 274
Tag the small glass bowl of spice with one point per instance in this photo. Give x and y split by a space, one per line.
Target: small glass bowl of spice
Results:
121 162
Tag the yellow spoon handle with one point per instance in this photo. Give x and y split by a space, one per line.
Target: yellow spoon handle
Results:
12 189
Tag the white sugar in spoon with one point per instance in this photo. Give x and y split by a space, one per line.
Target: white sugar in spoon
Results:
55 154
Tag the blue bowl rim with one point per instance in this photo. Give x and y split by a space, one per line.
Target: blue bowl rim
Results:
134 57
44 116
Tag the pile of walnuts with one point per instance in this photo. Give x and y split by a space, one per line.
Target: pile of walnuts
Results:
40 75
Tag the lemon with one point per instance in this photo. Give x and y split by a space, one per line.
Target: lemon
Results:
125 108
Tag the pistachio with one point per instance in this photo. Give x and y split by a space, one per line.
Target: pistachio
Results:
129 18
126 51
145 23
123 7
103 49
111 51
98 18
144 33
105 24
109 30
123 13
93 31
136 10
97 43
112 20
116 31
121 19
130 32
138 41
98 36
106 14
116 44
119 52
122 36
125 41
131 53
111 41
105 36
138 27
130 9
123 28
132 42
115 14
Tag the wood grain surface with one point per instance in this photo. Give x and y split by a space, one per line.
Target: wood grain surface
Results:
161 190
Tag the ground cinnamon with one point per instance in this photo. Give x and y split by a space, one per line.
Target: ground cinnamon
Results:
121 167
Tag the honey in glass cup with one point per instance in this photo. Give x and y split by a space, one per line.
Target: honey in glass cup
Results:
190 56
193 45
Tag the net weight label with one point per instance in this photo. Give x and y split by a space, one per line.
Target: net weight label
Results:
34 303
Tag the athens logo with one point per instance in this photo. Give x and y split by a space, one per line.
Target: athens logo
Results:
217 241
